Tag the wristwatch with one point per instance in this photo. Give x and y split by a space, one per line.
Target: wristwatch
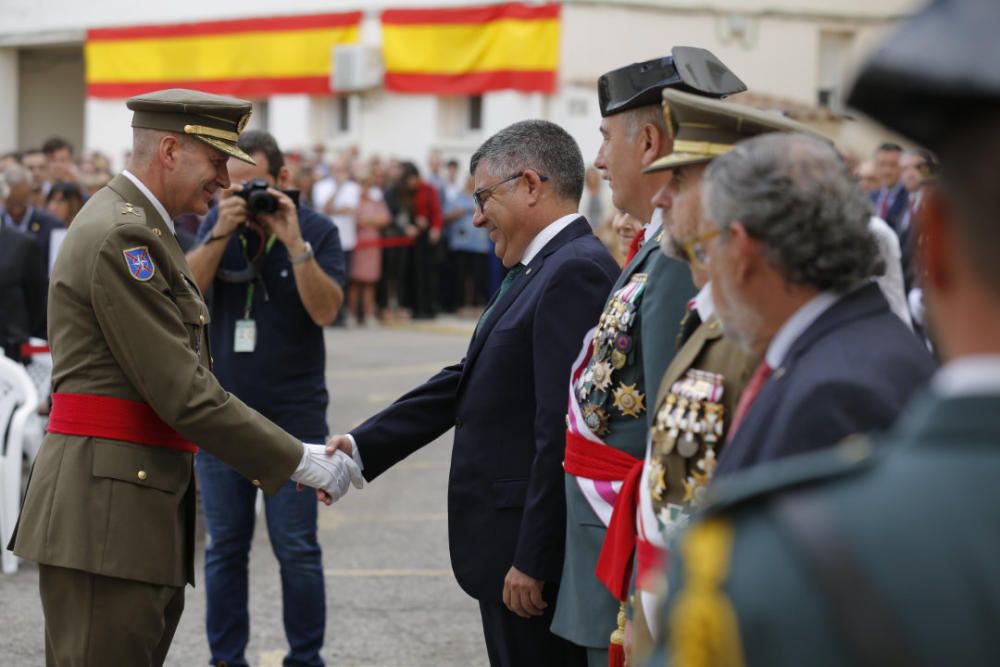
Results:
306 255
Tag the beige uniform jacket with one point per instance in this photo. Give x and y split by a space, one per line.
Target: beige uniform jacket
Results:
674 479
125 509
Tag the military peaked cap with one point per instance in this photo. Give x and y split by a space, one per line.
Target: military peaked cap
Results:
215 119
707 128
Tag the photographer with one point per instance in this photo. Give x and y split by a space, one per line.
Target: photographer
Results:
276 280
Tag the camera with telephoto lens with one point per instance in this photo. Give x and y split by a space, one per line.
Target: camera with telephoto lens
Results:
258 199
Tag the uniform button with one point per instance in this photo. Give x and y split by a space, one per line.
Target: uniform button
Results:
141 475
201 318
256 482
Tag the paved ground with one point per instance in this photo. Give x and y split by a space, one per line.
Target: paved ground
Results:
392 599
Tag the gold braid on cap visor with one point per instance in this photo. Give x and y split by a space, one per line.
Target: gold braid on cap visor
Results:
701 147
211 132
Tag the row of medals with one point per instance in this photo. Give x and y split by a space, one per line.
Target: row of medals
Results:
612 345
690 423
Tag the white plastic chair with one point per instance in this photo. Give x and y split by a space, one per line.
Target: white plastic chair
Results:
18 400
40 371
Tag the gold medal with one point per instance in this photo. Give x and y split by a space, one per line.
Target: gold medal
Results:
629 400
618 360
601 375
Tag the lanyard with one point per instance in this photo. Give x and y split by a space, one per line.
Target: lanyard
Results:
253 283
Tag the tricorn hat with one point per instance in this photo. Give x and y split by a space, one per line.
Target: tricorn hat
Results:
687 68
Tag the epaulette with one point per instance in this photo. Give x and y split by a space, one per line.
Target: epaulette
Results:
126 212
853 456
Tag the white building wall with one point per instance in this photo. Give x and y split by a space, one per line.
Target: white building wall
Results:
773 45
8 100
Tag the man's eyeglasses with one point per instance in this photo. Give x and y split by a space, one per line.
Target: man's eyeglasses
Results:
482 194
694 248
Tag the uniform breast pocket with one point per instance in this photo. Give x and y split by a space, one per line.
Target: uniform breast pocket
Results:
194 314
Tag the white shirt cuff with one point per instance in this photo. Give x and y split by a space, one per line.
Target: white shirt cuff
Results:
355 454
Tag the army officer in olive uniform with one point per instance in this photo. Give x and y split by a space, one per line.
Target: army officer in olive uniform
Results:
699 392
109 511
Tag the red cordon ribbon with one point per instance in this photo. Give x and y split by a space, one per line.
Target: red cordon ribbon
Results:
115 419
27 349
585 458
649 559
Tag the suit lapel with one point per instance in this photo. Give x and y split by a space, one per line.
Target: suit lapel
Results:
577 228
127 190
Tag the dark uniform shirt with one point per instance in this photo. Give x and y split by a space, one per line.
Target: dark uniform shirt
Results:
283 378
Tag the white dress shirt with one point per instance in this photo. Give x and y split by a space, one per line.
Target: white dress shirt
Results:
151 197
543 237
703 302
22 224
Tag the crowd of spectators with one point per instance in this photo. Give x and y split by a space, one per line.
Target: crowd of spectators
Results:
407 232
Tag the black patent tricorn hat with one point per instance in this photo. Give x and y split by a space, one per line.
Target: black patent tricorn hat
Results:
687 68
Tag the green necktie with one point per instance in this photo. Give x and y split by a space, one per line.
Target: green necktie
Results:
508 280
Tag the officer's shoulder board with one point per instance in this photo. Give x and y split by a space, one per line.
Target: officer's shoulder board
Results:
127 212
852 457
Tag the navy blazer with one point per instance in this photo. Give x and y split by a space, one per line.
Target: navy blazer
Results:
507 402
40 226
852 371
22 286
898 200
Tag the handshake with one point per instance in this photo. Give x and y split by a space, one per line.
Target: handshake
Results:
330 469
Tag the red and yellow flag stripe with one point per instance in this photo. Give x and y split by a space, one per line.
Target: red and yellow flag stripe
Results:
471 50
247 57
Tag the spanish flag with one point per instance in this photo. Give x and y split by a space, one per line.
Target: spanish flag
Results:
246 58
471 50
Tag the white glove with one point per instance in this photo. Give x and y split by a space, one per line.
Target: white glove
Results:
331 473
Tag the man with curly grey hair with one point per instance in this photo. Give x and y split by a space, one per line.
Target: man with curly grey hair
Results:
791 260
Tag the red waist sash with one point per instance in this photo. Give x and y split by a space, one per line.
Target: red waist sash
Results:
585 458
115 419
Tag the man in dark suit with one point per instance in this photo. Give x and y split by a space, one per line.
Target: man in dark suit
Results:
791 263
19 214
22 286
507 397
890 200
884 555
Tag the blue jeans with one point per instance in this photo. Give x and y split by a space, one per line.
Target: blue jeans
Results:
228 502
